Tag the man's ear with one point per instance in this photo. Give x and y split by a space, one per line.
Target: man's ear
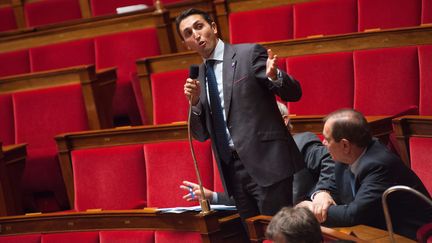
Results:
346 145
214 27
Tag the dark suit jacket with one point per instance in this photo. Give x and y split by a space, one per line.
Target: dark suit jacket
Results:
318 163
264 145
319 166
378 169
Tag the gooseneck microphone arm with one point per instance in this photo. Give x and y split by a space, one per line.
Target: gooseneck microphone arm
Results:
204 203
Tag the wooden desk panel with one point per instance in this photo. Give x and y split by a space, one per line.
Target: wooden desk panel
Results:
215 227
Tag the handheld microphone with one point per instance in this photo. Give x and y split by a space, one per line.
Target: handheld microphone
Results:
204 203
193 71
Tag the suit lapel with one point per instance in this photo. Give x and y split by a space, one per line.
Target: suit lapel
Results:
228 71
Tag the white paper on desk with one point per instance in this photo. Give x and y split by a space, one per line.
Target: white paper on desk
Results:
195 208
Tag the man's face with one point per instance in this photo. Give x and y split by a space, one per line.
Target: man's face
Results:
199 35
335 148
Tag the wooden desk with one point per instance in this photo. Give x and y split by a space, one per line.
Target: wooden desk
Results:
359 233
371 234
222 226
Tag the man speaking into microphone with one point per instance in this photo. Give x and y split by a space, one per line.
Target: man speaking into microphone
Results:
233 104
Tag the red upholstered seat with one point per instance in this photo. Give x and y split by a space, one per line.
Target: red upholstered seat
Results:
16 62
109 178
327 82
326 17
426 12
386 80
31 238
167 165
66 54
71 237
278 19
386 14
51 11
425 61
105 7
129 236
421 159
169 103
39 116
7 19
7 127
122 50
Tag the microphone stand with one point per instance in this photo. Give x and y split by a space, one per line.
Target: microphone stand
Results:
204 203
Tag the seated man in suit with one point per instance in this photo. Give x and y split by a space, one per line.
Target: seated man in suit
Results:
318 167
364 169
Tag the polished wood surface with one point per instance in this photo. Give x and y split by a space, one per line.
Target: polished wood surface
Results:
214 227
12 163
359 233
410 126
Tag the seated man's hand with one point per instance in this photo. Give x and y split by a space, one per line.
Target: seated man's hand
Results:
322 201
194 192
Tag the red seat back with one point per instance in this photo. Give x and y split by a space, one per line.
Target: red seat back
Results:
425 61
426 11
7 19
122 50
31 238
421 159
51 12
326 17
109 178
16 62
386 14
169 103
321 77
71 237
66 54
7 126
278 19
386 80
130 236
39 116
170 163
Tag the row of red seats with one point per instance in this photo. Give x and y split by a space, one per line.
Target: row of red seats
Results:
44 12
326 17
386 81
120 50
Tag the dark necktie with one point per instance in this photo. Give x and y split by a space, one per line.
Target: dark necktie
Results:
219 124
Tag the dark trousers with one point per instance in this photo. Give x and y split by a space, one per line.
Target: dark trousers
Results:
252 199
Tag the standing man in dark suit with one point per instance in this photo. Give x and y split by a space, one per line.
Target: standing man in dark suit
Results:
234 105
364 169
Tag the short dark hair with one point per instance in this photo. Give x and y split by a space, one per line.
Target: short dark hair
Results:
351 125
189 12
295 225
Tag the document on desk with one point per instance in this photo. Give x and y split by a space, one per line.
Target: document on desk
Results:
195 208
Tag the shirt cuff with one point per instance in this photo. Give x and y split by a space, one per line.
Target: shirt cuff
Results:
278 81
214 198
315 193
196 110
